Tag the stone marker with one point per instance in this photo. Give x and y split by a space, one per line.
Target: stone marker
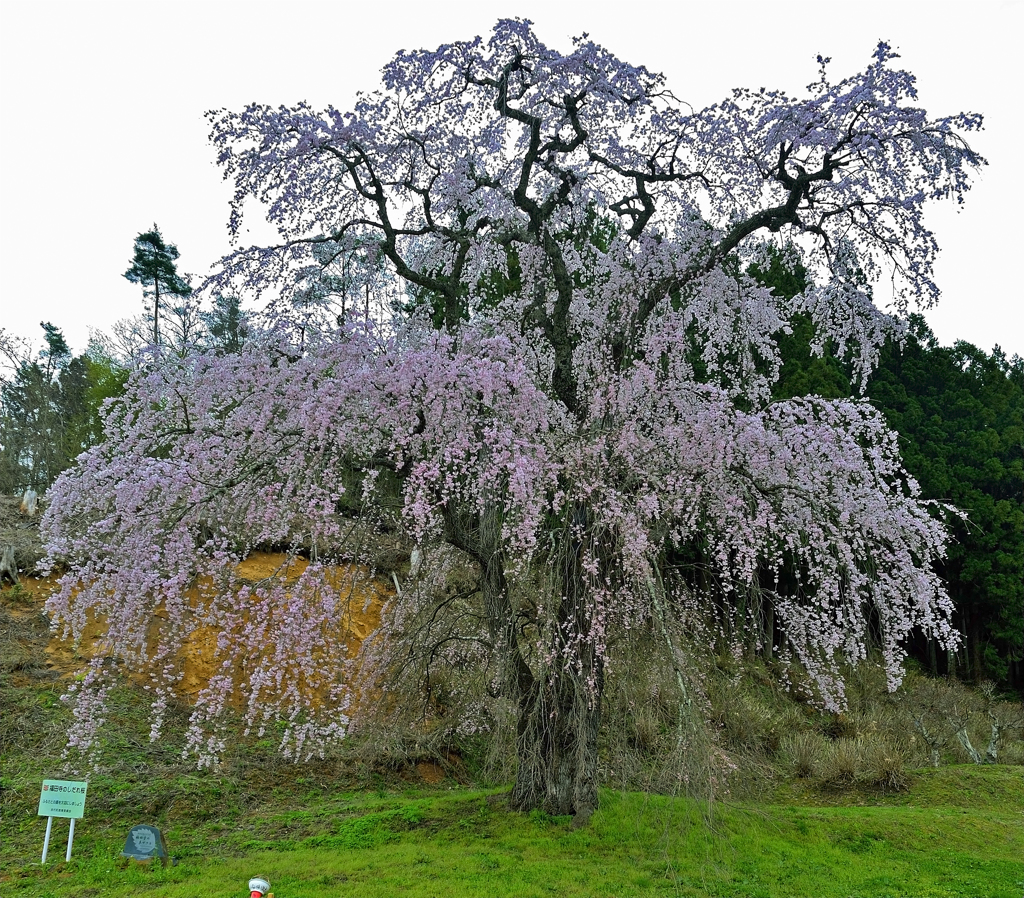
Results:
8 565
145 843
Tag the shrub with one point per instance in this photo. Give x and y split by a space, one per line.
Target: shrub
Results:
806 752
883 764
842 763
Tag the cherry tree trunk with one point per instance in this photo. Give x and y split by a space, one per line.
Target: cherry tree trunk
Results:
560 712
556 744
559 697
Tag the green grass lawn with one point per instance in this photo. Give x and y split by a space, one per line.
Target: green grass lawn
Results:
346 826
958 831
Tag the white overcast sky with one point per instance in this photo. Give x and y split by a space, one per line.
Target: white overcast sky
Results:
102 131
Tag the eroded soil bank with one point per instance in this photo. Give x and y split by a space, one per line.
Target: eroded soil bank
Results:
363 597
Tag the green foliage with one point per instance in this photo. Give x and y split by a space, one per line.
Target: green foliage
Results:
50 411
226 323
154 265
107 380
960 415
804 372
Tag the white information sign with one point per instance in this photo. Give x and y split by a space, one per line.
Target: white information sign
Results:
61 798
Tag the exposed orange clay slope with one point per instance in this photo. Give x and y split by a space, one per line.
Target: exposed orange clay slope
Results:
364 595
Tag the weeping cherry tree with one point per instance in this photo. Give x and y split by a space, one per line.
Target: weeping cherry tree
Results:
573 390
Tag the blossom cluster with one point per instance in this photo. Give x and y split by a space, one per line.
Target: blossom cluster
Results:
573 351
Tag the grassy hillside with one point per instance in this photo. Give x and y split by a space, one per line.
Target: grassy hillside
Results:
935 840
813 808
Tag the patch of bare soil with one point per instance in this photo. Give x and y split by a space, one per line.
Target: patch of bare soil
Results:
365 597
362 594
430 771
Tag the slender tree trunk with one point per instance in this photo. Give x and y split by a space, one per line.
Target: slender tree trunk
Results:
156 311
965 741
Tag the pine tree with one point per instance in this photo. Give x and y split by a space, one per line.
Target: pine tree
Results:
153 265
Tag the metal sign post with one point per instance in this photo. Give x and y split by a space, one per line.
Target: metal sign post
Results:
46 840
61 798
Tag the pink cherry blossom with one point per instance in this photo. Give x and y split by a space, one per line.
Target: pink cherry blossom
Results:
570 385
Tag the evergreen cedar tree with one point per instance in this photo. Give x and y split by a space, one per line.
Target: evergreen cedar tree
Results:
960 416
154 264
575 391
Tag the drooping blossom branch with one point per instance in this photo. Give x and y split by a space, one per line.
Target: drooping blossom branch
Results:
575 386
